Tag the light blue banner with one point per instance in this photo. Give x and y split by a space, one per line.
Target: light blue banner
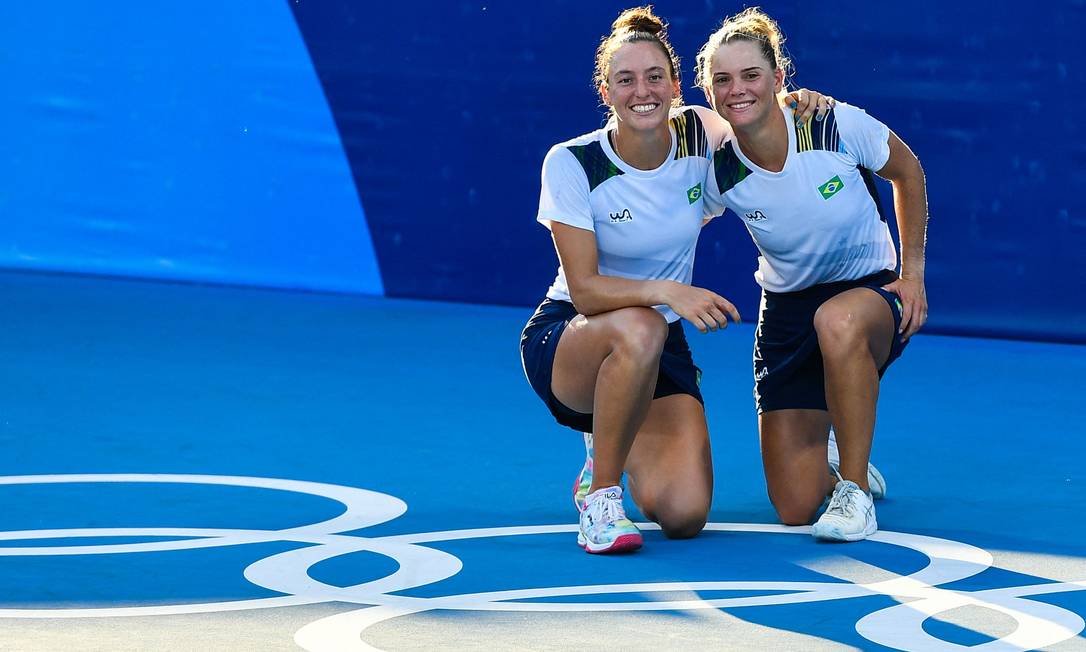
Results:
174 140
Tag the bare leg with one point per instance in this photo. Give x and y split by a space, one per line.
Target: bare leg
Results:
794 458
607 364
855 332
670 466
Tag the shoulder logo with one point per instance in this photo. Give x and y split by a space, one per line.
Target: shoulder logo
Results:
831 187
624 216
693 194
756 216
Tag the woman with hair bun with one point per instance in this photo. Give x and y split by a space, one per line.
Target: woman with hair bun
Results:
605 350
835 313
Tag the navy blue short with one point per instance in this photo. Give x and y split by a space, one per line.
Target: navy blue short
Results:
788 372
678 374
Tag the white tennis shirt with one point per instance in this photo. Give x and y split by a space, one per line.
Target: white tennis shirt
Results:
817 220
646 222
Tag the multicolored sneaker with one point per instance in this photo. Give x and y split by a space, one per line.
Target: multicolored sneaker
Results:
604 527
875 481
584 480
850 515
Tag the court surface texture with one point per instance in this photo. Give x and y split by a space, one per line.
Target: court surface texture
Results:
206 468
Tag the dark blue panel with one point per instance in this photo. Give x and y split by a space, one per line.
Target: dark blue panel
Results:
987 95
446 110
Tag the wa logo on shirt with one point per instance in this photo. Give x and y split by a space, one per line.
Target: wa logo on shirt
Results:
624 216
831 187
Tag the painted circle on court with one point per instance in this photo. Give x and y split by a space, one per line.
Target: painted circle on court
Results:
899 626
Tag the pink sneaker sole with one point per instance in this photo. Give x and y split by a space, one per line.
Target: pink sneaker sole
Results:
625 543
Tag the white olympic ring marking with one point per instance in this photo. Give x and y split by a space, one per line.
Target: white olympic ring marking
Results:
899 626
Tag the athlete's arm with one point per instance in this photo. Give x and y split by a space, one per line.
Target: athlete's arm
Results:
593 293
903 171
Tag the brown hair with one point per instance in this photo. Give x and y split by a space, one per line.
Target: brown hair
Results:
631 26
752 25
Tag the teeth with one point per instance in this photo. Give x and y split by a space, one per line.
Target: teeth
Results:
644 108
741 105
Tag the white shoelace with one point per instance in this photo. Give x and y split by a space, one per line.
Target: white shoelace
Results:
842 502
606 510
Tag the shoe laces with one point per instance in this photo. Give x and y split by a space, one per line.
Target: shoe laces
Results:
843 501
607 508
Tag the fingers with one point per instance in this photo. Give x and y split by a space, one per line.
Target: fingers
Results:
914 307
919 318
710 319
803 106
798 100
700 324
719 320
825 105
805 115
730 310
712 315
807 104
906 320
906 307
704 309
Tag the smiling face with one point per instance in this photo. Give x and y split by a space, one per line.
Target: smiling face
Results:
639 87
743 85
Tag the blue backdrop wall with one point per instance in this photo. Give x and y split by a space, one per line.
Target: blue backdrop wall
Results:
240 145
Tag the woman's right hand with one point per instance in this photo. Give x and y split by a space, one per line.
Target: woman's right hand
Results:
705 309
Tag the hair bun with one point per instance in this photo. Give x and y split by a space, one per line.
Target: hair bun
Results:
639 19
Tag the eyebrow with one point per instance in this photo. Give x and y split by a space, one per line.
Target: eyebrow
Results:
724 72
630 72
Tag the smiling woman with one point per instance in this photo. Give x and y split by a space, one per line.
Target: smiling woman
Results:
616 78
606 351
835 314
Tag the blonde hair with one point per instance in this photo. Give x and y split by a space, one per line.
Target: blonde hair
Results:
632 26
752 25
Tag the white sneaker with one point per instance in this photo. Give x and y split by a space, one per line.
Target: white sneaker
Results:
604 527
875 481
850 515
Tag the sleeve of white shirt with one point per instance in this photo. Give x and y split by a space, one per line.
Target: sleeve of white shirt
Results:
715 202
564 194
864 138
717 129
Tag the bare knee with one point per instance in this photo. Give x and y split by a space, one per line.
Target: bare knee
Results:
679 517
796 511
684 524
639 332
839 331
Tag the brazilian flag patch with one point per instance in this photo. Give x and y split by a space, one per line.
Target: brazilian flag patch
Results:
693 194
831 187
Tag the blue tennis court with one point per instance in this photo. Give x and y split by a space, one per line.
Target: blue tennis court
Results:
211 468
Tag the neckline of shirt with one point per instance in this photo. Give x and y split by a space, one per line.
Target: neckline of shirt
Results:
789 121
605 142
